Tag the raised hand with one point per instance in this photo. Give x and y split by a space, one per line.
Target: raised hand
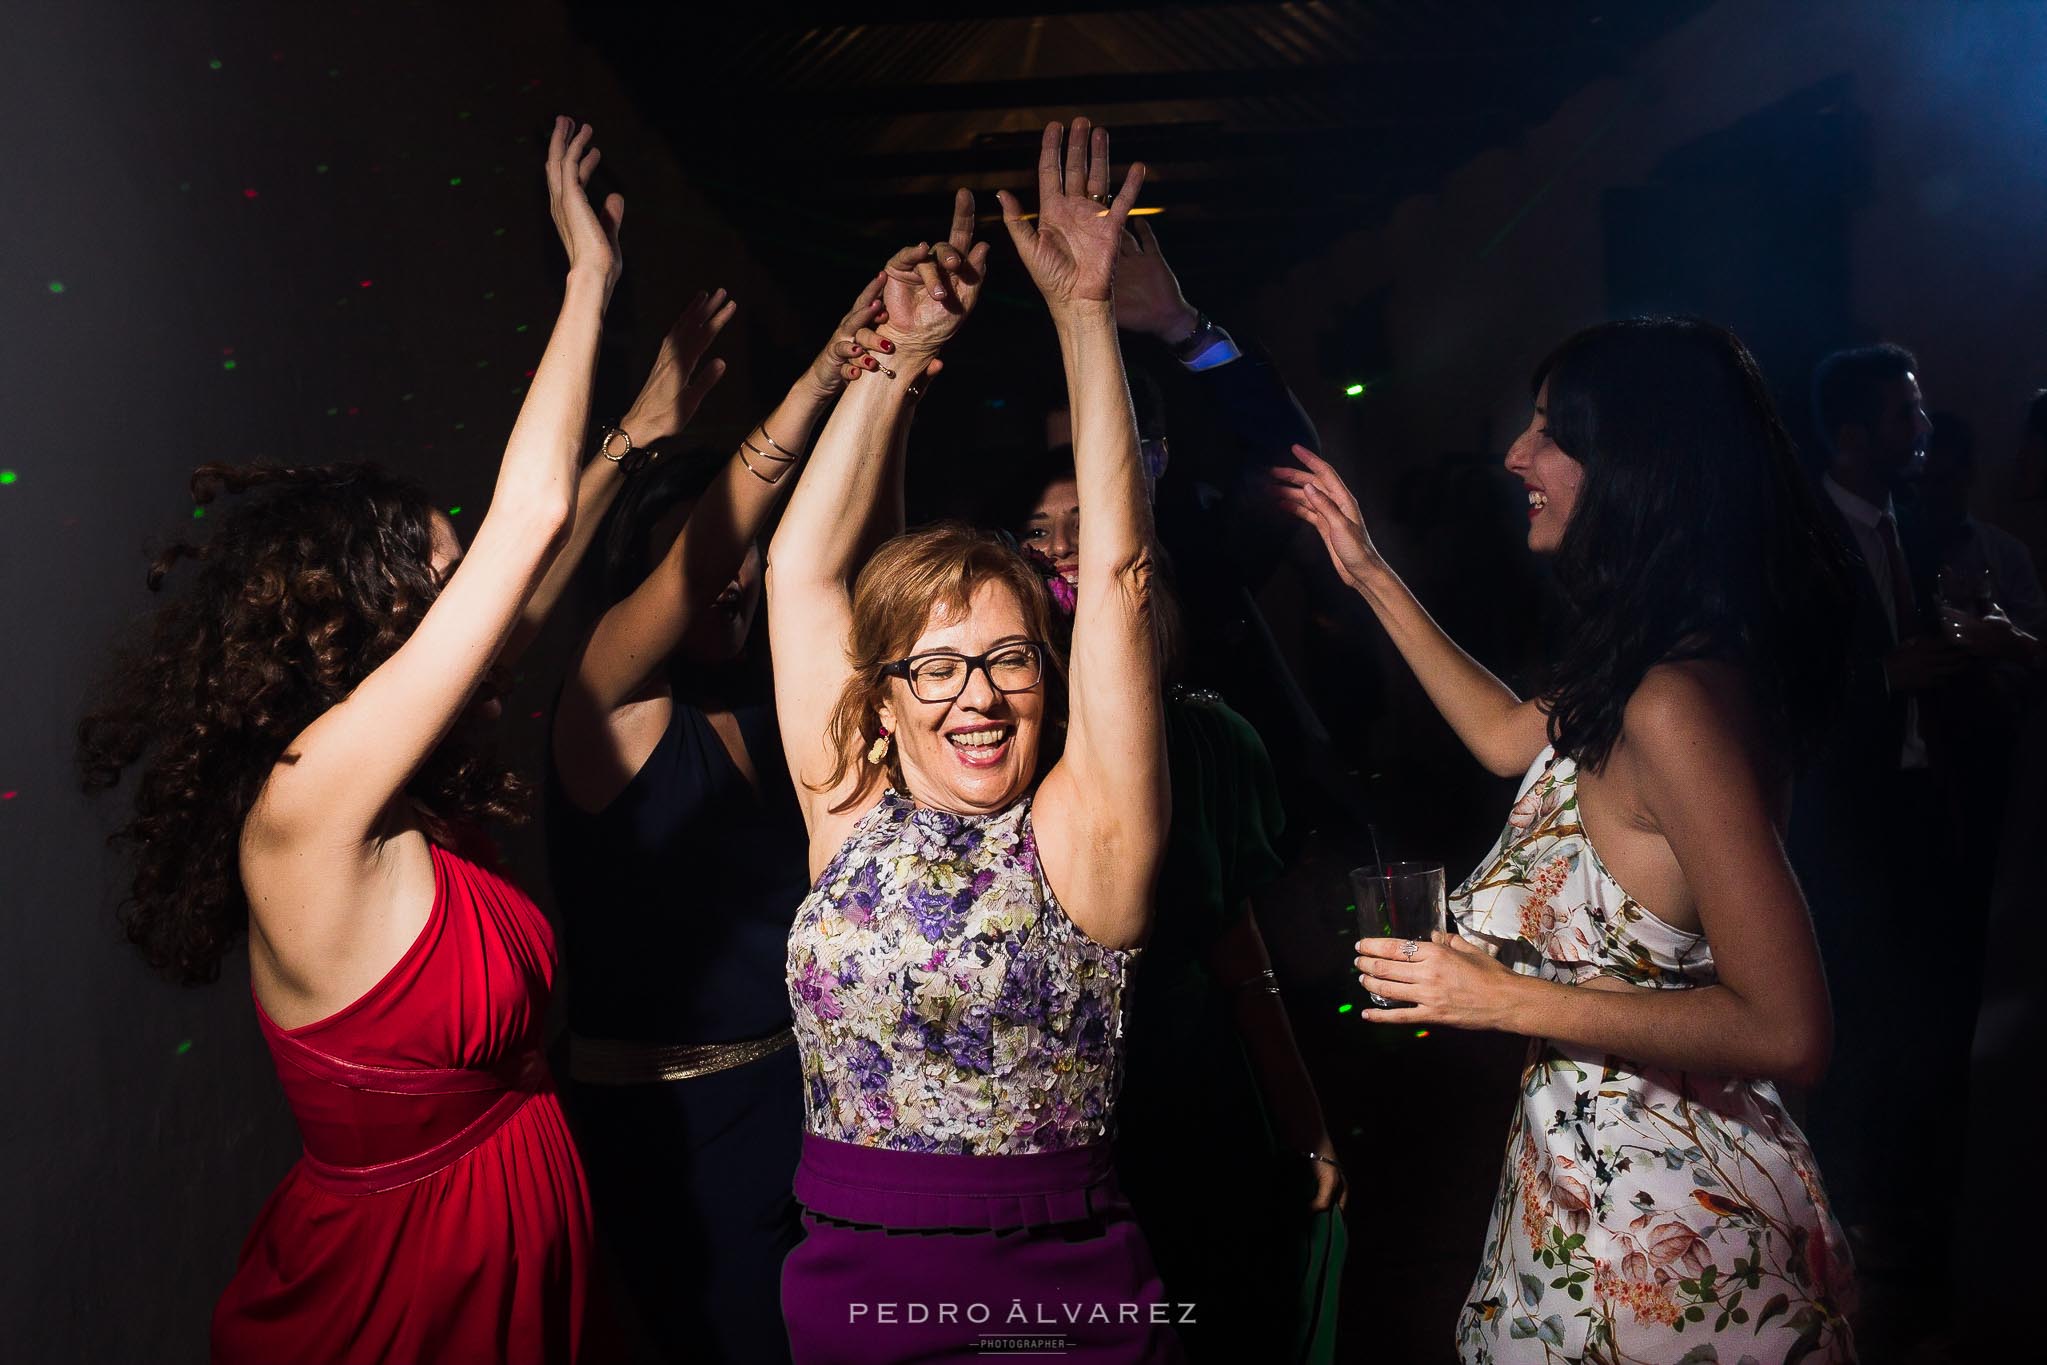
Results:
928 289
1071 250
590 238
847 355
1318 495
680 379
1148 297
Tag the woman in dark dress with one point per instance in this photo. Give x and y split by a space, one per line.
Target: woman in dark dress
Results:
677 855
1247 1221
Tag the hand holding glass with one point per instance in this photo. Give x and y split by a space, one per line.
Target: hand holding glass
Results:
1399 900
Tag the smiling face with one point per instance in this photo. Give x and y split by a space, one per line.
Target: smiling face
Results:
1551 477
1053 527
977 753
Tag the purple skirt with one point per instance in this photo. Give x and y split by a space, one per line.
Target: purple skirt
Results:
910 1256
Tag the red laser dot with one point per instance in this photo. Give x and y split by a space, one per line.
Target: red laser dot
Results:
364 284
9 796
248 194
534 716
529 374
227 350
353 411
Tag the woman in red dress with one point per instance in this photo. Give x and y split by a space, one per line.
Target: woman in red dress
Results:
305 721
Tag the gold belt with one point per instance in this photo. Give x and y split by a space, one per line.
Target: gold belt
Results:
611 1061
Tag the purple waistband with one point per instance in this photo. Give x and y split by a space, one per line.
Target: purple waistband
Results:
894 1189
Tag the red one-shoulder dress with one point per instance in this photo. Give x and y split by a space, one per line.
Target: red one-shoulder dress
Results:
439 1212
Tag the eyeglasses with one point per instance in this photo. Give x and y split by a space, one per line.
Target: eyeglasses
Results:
941 674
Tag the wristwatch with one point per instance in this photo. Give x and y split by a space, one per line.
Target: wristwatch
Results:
1196 341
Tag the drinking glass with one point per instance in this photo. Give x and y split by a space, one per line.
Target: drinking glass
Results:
1398 900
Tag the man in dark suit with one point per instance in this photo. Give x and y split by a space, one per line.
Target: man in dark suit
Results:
1875 842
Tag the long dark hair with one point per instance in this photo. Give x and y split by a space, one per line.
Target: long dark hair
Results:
1695 535
305 586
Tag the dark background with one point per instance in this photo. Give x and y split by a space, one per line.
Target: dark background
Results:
239 230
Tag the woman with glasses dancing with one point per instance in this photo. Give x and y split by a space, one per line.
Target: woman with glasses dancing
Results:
1637 918
957 971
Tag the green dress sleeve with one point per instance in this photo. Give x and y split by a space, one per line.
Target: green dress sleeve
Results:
1227 816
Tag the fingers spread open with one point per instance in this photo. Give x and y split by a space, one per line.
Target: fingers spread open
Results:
1126 198
1075 178
1048 163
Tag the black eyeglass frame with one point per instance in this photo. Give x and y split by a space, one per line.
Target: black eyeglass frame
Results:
902 668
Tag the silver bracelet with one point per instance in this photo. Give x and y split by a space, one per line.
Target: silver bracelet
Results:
1264 981
787 454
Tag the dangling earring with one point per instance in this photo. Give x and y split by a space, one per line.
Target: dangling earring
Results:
878 750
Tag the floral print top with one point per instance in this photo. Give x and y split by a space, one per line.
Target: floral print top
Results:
1644 1214
943 1001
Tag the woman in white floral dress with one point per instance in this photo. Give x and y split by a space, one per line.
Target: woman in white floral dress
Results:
1657 1203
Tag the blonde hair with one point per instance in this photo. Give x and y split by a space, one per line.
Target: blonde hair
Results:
893 599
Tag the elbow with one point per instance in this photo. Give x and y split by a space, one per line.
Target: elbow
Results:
1802 1055
543 517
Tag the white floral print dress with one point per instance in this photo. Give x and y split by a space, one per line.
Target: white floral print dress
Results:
1644 1214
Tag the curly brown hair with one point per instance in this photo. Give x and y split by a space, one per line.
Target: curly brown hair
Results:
303 589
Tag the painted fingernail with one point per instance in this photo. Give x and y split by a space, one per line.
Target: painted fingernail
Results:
870 362
888 346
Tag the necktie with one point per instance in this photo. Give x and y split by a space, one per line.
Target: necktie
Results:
1904 608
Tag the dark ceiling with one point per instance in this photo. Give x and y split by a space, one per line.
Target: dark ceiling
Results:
1269 128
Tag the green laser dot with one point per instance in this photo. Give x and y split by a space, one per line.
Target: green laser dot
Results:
213 65
186 1046
454 180
520 328
56 286
1354 390
320 169
1345 1008
460 425
455 511
8 476
227 364
198 513
333 411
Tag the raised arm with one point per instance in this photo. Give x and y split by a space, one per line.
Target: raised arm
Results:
1503 732
1102 811
927 292
667 402
340 777
634 639
1690 753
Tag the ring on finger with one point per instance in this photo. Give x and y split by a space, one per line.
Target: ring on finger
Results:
1410 949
